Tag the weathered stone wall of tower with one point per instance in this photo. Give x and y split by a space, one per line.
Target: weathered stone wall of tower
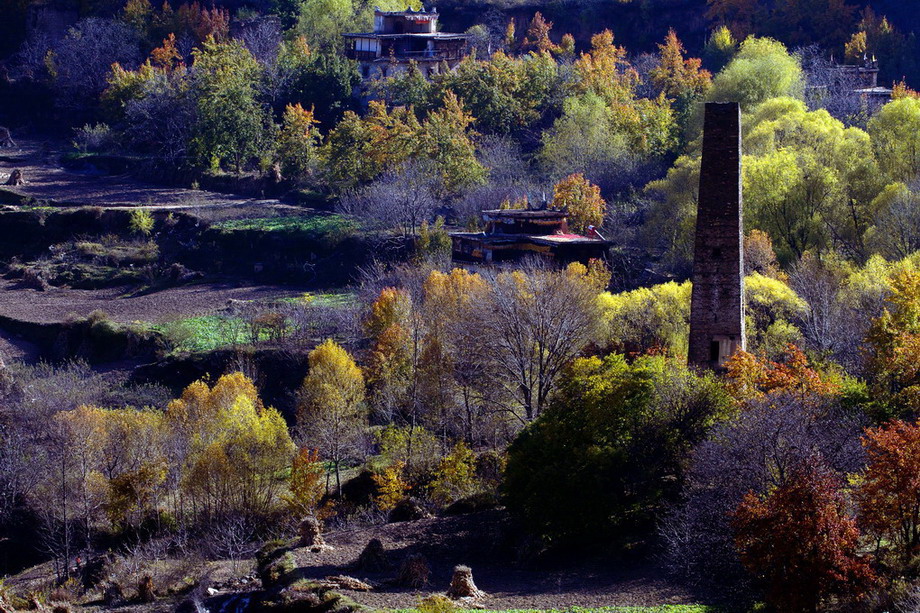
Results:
717 302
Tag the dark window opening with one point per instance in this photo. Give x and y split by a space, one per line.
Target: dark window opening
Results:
714 351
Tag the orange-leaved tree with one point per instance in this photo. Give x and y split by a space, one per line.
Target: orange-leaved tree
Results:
676 77
799 541
582 199
889 491
753 377
306 481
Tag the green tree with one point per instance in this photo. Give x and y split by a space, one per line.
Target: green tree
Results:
762 69
594 464
503 93
446 140
231 122
895 133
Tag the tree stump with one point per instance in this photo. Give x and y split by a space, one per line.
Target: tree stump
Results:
311 533
15 178
462 586
373 558
145 589
414 572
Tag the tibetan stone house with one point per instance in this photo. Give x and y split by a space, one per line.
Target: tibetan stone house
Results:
717 301
403 37
512 234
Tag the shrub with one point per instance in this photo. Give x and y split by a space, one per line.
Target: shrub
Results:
436 603
455 476
94 138
391 485
141 221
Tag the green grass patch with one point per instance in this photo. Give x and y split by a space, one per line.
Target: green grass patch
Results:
204 333
293 224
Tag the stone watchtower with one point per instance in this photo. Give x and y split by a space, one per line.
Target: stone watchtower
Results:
717 301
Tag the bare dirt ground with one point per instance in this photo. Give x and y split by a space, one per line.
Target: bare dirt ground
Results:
46 179
56 303
478 541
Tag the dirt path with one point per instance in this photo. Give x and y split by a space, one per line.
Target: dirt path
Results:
46 179
56 304
478 540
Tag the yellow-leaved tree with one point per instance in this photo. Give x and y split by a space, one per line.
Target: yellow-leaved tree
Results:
330 409
231 449
582 199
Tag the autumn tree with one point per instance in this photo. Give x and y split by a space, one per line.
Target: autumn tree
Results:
753 377
721 46
452 377
330 408
648 319
394 352
298 142
537 38
895 339
391 486
889 490
536 321
455 476
305 483
229 447
582 201
757 449
683 81
605 71
799 541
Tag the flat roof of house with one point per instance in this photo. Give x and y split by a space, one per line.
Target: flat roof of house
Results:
408 13
526 213
437 35
539 239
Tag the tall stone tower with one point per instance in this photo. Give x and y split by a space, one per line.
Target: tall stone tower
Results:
717 302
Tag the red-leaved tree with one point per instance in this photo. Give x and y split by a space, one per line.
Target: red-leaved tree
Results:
889 495
799 541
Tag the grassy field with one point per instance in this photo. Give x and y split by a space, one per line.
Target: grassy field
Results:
294 224
220 330
205 333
